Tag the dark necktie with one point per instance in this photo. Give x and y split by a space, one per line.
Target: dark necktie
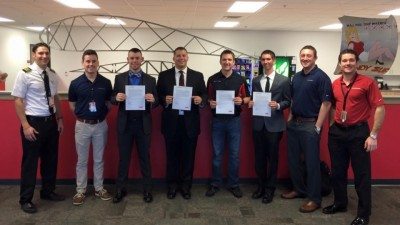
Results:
47 89
181 79
267 85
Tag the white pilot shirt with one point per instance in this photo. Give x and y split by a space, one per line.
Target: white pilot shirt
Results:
30 87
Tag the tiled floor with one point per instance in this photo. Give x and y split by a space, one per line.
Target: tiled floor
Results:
222 209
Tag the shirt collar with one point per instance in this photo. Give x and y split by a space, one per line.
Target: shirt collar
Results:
35 66
184 71
138 74
271 75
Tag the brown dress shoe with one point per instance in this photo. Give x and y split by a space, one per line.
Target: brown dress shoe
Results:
291 195
309 206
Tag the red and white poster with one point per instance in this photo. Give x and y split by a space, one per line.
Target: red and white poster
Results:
374 39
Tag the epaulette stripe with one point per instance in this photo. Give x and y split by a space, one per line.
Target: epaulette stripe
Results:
27 69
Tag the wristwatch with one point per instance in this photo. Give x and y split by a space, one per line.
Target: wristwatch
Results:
373 136
318 129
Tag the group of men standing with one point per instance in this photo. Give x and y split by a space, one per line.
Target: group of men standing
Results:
309 96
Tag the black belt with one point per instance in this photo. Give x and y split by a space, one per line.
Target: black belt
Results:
89 121
300 119
350 126
40 118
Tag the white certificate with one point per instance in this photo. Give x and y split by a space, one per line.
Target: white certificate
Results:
135 97
261 104
225 104
182 98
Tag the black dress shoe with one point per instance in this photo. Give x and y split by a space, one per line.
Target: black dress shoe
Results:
236 192
212 190
52 196
186 194
258 193
360 221
171 193
119 195
267 198
147 197
28 207
332 209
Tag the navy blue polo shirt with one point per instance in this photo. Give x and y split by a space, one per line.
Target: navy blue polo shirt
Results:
82 91
309 91
234 82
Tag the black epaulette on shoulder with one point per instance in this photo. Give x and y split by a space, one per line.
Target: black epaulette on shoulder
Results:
52 70
27 69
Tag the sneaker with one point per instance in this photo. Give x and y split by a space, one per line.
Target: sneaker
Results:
236 192
78 199
103 194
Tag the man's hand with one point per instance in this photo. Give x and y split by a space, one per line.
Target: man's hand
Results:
60 125
251 103
29 133
168 99
197 100
213 104
149 97
370 144
120 97
238 100
273 105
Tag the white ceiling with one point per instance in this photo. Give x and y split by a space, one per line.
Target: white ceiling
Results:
292 15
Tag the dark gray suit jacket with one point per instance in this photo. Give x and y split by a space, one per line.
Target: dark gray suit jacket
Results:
169 117
119 87
280 92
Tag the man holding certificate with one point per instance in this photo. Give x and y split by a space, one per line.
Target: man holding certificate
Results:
135 94
268 128
182 92
227 91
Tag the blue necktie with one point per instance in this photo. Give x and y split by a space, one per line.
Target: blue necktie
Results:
134 78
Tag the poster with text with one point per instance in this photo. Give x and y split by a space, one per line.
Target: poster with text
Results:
373 39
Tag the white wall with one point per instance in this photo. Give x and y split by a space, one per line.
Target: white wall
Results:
15 46
14 51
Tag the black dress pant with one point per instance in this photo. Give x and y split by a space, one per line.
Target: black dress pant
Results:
44 147
181 151
134 131
347 144
266 153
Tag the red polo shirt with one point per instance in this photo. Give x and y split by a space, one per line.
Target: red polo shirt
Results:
364 96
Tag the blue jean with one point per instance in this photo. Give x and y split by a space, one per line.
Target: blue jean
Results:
228 129
303 139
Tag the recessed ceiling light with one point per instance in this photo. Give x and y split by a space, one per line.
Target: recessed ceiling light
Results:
2 19
226 24
36 28
246 7
79 4
335 26
394 12
111 21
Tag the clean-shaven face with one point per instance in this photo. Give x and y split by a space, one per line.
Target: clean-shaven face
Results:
180 59
90 64
307 58
135 60
227 62
267 62
348 63
41 56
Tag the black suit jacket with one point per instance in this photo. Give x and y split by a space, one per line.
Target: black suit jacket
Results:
119 87
280 92
165 86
